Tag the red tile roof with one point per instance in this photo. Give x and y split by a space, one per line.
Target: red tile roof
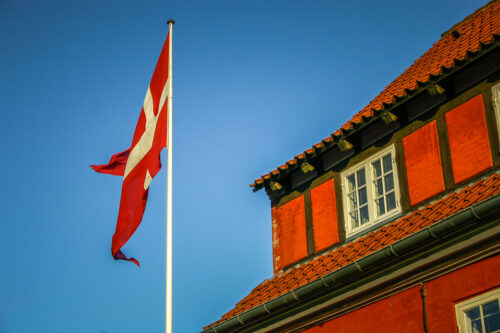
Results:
315 268
471 35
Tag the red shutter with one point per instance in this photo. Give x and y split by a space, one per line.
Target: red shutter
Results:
289 233
423 163
324 215
468 136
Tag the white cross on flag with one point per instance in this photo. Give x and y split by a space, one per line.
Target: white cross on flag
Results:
141 162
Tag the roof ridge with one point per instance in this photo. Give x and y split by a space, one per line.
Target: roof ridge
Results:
468 18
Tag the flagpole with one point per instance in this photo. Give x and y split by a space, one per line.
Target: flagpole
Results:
168 287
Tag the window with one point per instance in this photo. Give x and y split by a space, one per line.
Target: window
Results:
495 91
480 314
371 191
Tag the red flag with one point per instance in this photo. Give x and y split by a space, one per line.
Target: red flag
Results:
141 162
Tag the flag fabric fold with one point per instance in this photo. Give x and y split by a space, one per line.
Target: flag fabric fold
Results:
141 162
116 165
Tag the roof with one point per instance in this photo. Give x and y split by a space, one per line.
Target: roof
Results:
471 35
340 257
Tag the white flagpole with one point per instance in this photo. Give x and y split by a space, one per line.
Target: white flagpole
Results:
168 287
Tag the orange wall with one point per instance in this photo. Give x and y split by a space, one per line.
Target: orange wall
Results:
444 292
289 233
398 313
403 311
468 137
324 215
423 163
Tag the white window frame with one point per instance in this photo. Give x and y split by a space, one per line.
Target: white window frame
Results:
373 219
462 307
495 93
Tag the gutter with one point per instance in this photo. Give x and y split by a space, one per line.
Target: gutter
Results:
357 268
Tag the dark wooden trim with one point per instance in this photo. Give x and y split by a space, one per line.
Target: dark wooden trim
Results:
275 194
491 121
419 106
281 200
309 223
339 201
298 177
376 131
321 179
477 71
404 196
334 156
444 150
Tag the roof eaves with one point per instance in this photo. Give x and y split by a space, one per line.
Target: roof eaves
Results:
420 238
397 100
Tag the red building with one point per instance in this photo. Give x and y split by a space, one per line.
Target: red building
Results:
392 224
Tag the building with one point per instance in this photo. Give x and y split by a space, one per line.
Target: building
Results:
393 222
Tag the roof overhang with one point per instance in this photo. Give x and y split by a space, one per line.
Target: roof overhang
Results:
464 231
429 95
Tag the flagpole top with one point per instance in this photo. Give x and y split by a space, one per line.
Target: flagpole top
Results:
170 22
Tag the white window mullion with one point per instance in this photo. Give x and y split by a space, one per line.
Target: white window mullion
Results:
495 91
370 194
481 315
372 173
356 195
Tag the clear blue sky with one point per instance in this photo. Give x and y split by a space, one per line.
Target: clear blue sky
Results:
255 83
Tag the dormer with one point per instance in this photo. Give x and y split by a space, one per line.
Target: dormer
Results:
398 153
383 168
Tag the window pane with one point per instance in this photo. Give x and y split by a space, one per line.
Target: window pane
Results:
491 314
391 201
351 184
377 169
387 161
353 203
379 189
361 177
473 318
354 219
362 196
389 182
364 214
380 206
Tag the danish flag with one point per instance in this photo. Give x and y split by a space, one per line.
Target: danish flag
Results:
141 162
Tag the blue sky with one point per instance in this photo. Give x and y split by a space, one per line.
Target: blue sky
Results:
255 83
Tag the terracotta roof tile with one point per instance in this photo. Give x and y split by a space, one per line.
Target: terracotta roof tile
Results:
475 32
340 257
